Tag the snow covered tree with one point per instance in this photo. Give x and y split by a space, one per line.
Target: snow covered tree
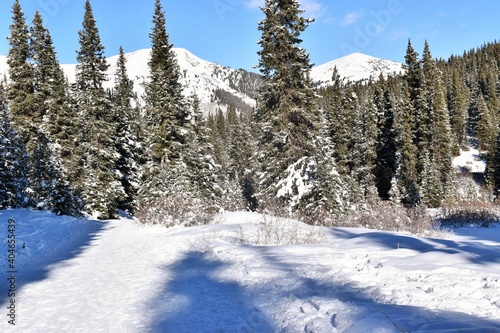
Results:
437 173
458 103
21 88
14 164
242 148
203 172
493 169
167 117
485 129
287 108
50 98
128 136
386 143
405 188
99 181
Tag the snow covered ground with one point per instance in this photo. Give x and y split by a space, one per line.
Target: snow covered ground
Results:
470 161
243 274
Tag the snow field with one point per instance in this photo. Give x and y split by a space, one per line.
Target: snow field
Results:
242 275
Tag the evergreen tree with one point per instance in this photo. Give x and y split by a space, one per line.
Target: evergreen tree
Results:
386 143
167 117
128 136
485 130
242 147
49 178
21 88
99 181
14 165
287 109
202 170
405 188
437 173
458 103
493 169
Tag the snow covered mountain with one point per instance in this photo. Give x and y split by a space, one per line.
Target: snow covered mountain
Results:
355 67
218 86
214 84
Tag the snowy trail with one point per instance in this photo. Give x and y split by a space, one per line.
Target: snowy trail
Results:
105 288
118 276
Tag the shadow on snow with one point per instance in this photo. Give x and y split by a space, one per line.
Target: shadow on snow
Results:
55 252
475 252
199 298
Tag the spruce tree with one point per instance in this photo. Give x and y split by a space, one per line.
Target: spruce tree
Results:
101 188
287 109
485 129
202 170
458 103
405 187
167 117
128 136
50 169
493 169
385 163
437 173
14 164
21 88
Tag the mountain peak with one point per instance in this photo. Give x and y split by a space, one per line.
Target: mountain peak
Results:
355 67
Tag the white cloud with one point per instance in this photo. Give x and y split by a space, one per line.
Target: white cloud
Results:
351 18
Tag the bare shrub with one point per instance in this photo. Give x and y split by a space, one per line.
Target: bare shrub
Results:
467 213
176 209
391 217
278 230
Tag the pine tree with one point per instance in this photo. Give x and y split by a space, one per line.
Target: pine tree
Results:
287 108
128 136
21 89
50 98
101 188
386 143
167 117
437 174
14 164
203 172
405 187
241 152
493 169
485 130
458 103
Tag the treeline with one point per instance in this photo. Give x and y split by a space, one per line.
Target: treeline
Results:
318 153
394 138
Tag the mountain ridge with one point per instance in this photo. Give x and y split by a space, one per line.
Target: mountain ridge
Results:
219 86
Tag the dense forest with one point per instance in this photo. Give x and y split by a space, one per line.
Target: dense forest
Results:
316 153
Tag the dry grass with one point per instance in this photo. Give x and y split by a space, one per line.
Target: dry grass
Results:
176 209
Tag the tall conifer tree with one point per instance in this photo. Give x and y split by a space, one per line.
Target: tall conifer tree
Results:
167 117
21 88
99 181
14 161
128 137
287 109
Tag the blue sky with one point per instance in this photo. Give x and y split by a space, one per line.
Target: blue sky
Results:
225 31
